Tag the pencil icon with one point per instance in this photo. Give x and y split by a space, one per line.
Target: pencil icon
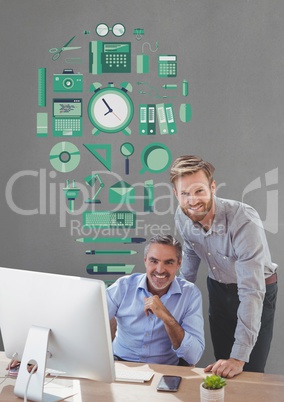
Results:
105 269
109 252
111 240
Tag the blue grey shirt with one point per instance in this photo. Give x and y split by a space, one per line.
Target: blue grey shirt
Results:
235 250
144 339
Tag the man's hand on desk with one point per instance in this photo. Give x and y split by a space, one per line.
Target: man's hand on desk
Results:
226 368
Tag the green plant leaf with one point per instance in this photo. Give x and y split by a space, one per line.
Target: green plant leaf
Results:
213 382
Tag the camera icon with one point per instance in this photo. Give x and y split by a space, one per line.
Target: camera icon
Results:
68 81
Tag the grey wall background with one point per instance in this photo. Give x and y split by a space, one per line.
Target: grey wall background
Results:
231 52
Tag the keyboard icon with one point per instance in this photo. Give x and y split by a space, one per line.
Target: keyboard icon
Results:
109 219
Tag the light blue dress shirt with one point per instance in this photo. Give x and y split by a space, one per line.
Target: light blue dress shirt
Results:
235 250
144 339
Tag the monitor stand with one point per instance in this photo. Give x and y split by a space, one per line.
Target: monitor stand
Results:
35 351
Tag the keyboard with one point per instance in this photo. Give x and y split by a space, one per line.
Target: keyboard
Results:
131 375
109 219
67 125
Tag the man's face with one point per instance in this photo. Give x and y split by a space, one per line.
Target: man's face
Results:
161 265
195 196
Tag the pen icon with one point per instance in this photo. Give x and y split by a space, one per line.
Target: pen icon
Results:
109 252
125 240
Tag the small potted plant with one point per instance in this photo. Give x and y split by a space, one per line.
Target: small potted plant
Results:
212 389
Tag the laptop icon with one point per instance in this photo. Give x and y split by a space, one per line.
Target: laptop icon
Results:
67 117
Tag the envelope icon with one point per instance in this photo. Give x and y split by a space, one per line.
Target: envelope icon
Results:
121 193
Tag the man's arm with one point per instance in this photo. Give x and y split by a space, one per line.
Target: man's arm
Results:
174 330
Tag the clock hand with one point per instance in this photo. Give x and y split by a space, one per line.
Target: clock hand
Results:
115 115
107 105
110 110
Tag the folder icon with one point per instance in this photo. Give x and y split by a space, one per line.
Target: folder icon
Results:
166 120
147 119
121 193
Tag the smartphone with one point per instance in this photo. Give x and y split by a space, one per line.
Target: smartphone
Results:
169 383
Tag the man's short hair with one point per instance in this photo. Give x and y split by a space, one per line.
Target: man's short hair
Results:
167 240
189 164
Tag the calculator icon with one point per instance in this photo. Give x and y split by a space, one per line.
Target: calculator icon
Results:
167 65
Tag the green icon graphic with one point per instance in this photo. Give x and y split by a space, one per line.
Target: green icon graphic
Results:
103 29
138 32
42 124
41 87
68 81
127 149
109 219
91 180
110 252
185 112
111 109
166 120
57 51
156 158
109 269
149 196
147 119
184 88
125 240
106 161
71 193
167 65
121 193
64 157
109 57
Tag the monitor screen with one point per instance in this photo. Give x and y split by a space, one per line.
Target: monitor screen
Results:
66 108
72 309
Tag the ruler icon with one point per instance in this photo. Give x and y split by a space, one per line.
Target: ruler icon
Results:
41 87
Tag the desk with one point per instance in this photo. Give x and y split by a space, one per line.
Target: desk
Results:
246 387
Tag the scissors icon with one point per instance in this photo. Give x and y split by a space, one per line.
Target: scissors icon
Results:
57 51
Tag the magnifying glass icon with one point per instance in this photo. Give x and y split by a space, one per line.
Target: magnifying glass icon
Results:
126 149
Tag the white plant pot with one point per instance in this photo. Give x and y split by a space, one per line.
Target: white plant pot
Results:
212 395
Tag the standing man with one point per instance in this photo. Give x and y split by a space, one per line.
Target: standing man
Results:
228 237
159 316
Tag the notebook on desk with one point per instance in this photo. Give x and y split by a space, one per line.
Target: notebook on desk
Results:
133 375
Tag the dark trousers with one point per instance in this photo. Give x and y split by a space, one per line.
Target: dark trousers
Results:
223 306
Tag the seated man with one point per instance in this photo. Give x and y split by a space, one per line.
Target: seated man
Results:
159 315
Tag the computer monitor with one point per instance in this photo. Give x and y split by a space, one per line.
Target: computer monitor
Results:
60 322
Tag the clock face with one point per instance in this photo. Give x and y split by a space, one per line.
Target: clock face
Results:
110 110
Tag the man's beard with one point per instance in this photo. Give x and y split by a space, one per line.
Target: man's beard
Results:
198 216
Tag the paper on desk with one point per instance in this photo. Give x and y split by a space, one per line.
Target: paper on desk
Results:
199 371
63 391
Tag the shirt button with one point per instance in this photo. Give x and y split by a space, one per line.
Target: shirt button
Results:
209 253
224 258
219 281
214 268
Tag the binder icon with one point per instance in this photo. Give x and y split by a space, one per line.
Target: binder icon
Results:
166 120
147 119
